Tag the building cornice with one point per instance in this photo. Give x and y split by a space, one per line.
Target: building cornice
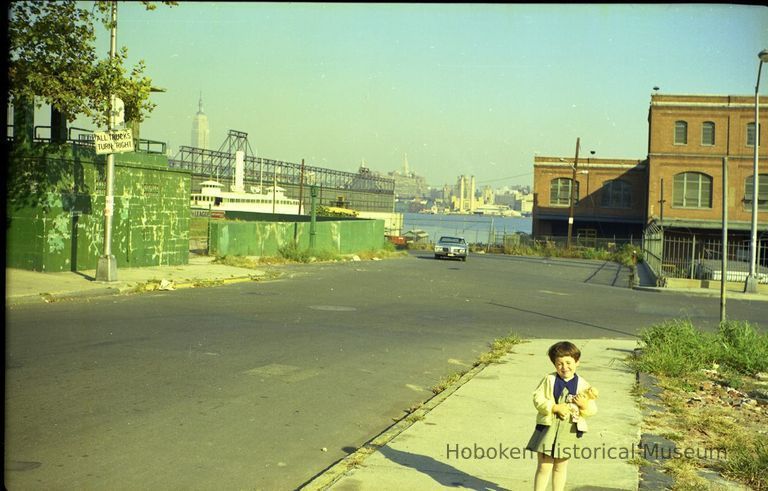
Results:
700 156
589 165
709 105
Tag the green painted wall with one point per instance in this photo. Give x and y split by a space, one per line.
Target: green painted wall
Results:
229 238
55 218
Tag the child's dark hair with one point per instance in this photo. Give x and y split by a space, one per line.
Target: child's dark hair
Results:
563 348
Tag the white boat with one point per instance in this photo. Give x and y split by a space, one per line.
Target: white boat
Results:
268 199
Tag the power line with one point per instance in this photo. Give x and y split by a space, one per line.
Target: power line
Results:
505 178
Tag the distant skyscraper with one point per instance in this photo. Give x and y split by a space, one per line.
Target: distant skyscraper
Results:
200 127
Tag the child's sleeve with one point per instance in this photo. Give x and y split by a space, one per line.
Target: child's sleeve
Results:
591 408
542 403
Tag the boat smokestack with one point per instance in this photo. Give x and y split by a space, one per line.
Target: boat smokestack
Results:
239 171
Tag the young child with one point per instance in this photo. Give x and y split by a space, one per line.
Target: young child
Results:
556 434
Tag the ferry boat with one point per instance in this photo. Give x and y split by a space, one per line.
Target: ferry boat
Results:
269 199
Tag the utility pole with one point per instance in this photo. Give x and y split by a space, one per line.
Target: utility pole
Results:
106 268
312 217
573 194
724 265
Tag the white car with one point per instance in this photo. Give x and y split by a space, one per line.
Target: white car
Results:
451 247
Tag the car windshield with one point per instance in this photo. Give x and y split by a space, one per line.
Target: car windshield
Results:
452 240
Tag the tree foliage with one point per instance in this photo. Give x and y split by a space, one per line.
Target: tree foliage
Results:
53 59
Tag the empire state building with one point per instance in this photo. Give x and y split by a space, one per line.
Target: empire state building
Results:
200 127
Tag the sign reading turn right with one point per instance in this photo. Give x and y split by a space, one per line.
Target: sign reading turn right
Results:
118 141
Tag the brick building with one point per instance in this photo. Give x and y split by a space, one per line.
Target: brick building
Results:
678 186
688 138
611 197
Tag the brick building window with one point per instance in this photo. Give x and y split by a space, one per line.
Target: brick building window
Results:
750 134
692 190
762 195
616 194
708 133
681 133
560 192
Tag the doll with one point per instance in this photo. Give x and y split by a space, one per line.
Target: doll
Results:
581 422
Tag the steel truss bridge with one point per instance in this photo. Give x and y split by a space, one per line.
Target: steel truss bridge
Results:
362 191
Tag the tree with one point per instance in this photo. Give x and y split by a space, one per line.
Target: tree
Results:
53 60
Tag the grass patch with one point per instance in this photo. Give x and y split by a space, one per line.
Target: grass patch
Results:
624 255
686 476
698 371
678 349
748 463
387 252
238 261
293 253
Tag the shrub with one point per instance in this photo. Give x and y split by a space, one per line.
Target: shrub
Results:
742 348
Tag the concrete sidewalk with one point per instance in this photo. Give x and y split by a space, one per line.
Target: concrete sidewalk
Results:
474 438
22 286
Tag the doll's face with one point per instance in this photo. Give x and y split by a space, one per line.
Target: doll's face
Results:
566 366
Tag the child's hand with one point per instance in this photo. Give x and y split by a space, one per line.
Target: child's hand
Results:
562 411
581 400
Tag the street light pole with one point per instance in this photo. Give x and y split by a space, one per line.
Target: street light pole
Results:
573 195
752 280
106 268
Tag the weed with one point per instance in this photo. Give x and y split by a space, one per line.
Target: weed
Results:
356 459
237 261
499 348
686 475
207 283
412 418
748 462
447 382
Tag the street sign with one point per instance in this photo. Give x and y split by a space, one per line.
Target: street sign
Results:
119 141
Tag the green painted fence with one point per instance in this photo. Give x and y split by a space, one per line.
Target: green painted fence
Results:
230 238
55 203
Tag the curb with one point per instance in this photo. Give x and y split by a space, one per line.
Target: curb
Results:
128 288
336 471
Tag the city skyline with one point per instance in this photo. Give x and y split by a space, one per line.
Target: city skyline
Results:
461 89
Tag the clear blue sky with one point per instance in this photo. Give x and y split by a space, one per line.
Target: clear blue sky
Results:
461 89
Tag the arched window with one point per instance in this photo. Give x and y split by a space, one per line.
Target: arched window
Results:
681 133
616 194
708 133
762 195
560 192
692 190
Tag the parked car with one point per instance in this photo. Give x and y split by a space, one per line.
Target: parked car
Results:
451 247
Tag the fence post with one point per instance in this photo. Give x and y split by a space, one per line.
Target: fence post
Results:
693 255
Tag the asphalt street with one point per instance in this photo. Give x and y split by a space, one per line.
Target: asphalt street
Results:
265 384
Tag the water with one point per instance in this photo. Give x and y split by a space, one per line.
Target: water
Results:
474 228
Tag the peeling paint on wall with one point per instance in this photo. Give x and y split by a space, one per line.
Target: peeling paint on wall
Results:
150 221
57 234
